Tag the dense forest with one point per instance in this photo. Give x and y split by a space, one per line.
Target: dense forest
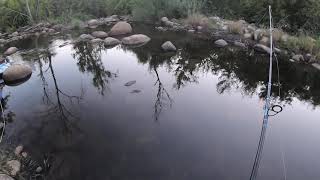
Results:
294 15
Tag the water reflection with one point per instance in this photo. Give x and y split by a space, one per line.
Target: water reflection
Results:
89 60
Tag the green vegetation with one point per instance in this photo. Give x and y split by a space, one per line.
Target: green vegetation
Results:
288 14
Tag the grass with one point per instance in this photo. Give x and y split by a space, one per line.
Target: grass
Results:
236 27
301 43
196 19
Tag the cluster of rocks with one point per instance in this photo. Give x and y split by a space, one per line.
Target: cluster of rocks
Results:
28 32
16 162
173 25
121 28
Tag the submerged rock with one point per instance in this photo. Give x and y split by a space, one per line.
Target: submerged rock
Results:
136 39
120 28
14 166
221 43
316 65
110 41
130 83
5 177
99 34
10 51
168 46
16 74
136 91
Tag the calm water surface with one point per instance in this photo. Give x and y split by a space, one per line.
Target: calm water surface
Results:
194 114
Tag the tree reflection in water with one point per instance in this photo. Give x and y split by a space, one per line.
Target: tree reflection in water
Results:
89 60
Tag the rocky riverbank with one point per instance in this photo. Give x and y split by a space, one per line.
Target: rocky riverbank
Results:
221 32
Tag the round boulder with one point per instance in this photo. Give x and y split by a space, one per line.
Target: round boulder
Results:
16 74
136 39
11 51
99 34
168 46
110 41
93 23
221 43
120 28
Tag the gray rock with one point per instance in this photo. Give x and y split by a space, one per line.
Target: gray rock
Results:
15 34
221 43
1 125
164 19
161 29
308 57
3 41
239 44
10 51
5 177
93 23
130 83
24 154
120 28
99 34
51 31
110 41
39 169
18 150
86 37
191 31
262 48
14 166
16 74
136 39
248 36
258 34
298 58
168 46
96 41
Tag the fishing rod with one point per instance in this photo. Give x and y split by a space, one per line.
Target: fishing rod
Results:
257 160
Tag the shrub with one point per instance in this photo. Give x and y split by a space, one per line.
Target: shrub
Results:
236 27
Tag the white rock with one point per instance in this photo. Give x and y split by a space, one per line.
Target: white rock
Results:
136 39
14 166
168 46
39 169
18 150
24 154
10 51
221 43
5 177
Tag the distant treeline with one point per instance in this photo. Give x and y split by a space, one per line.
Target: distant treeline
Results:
293 15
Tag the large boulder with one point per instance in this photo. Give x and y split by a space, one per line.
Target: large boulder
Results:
10 51
16 74
99 34
120 28
137 39
262 48
93 23
110 41
168 46
221 43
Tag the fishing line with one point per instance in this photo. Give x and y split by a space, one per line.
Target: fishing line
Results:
4 122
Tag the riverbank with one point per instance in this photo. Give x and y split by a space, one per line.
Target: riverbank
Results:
221 32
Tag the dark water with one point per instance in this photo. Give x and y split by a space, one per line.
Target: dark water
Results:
194 114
